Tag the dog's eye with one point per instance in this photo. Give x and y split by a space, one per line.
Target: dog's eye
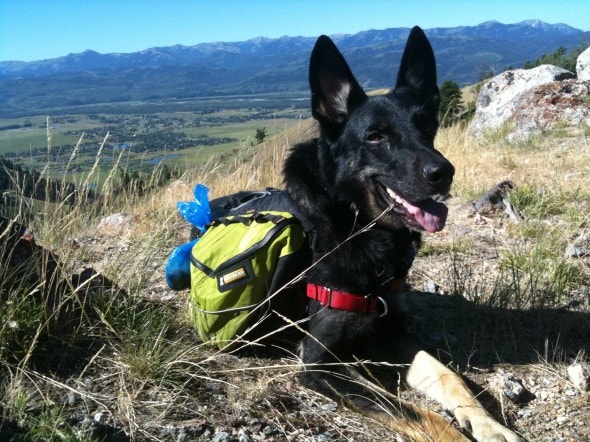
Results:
374 137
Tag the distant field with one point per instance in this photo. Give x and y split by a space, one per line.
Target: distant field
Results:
245 132
196 136
35 136
23 139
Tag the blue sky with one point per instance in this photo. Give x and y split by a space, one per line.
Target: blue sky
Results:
42 29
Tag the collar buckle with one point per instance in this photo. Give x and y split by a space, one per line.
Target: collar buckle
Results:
385 306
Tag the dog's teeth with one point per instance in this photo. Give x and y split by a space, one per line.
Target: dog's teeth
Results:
392 194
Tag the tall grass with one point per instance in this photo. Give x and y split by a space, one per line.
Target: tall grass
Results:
127 333
128 352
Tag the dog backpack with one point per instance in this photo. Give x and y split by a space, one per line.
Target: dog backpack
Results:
247 249
241 270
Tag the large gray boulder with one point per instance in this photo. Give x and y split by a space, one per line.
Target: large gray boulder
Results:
498 99
583 66
529 102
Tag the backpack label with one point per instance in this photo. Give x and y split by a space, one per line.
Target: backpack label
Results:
235 276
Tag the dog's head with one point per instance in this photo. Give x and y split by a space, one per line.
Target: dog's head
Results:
381 147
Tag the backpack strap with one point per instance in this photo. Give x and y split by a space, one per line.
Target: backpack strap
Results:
279 221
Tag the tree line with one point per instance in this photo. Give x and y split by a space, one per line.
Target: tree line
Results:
17 181
31 183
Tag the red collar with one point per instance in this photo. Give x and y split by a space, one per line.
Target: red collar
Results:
350 302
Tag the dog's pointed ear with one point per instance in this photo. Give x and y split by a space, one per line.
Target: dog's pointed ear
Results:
334 90
417 70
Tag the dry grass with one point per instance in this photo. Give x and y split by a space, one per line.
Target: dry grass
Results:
143 370
557 164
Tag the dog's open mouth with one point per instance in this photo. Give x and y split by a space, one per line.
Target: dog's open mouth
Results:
427 214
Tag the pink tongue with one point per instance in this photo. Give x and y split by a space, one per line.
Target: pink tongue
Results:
428 213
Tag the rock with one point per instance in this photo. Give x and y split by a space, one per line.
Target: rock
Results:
115 224
324 437
222 436
72 399
573 251
430 287
497 100
181 431
244 436
330 407
101 417
494 201
269 431
530 102
562 104
513 389
461 230
561 419
583 66
579 375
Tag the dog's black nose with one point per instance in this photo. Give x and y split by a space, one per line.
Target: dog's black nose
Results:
438 173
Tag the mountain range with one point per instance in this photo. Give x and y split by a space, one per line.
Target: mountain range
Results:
264 65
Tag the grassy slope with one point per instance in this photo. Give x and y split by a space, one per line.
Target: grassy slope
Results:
143 369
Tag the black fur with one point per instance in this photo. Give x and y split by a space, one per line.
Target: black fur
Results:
338 183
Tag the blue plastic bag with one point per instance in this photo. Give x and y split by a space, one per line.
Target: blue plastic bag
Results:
178 271
198 213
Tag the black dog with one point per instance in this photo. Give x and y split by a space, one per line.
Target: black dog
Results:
370 184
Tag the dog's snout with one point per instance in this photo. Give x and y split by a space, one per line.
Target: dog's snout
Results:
439 173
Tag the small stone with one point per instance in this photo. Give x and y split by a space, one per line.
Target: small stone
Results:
115 224
575 252
579 375
330 406
461 230
244 436
101 417
561 419
222 436
525 413
324 437
513 389
269 431
430 287
72 398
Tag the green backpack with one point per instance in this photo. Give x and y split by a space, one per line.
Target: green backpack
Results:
238 262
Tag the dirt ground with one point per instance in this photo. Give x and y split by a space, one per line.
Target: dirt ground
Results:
517 359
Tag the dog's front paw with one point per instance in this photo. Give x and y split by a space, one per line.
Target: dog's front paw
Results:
483 427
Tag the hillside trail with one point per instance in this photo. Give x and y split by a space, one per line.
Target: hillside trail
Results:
518 359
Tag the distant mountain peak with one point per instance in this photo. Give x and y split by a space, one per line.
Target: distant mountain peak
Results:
266 65
538 24
535 23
